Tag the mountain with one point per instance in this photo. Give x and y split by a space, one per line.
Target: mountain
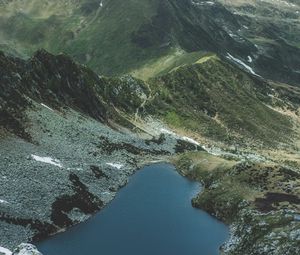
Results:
90 91
63 157
150 31
273 26
77 153
218 101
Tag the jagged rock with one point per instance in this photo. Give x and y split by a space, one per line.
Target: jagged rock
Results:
26 249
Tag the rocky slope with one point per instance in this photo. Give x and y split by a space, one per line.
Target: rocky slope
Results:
261 34
22 249
70 139
63 156
273 26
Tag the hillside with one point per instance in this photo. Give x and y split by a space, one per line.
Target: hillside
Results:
218 101
92 31
92 90
76 137
63 157
273 26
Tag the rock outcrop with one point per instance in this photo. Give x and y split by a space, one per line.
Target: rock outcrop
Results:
63 156
26 249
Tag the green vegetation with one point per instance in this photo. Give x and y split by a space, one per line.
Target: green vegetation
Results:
119 36
219 199
149 38
164 64
228 184
69 26
260 200
173 119
216 100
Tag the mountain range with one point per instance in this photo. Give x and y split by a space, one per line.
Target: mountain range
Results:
125 36
92 90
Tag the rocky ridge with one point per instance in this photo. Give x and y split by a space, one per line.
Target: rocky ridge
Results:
77 153
64 157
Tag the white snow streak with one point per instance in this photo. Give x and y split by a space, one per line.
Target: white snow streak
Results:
185 138
188 139
202 3
166 131
47 107
5 251
115 165
3 202
241 63
47 160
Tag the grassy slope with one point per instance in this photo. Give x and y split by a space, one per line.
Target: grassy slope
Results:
120 36
164 64
259 199
217 100
106 30
143 36
108 36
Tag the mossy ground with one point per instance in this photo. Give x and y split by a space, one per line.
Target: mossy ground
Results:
260 200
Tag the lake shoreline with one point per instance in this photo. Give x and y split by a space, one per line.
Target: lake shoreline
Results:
228 195
171 173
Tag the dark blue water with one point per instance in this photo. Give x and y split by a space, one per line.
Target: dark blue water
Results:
152 215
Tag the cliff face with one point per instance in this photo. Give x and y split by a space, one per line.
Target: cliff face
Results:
60 82
13 101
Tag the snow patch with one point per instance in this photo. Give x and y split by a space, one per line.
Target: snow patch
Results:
185 138
188 139
240 62
202 3
47 160
280 2
5 251
167 131
157 128
47 107
115 165
213 151
3 201
250 60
